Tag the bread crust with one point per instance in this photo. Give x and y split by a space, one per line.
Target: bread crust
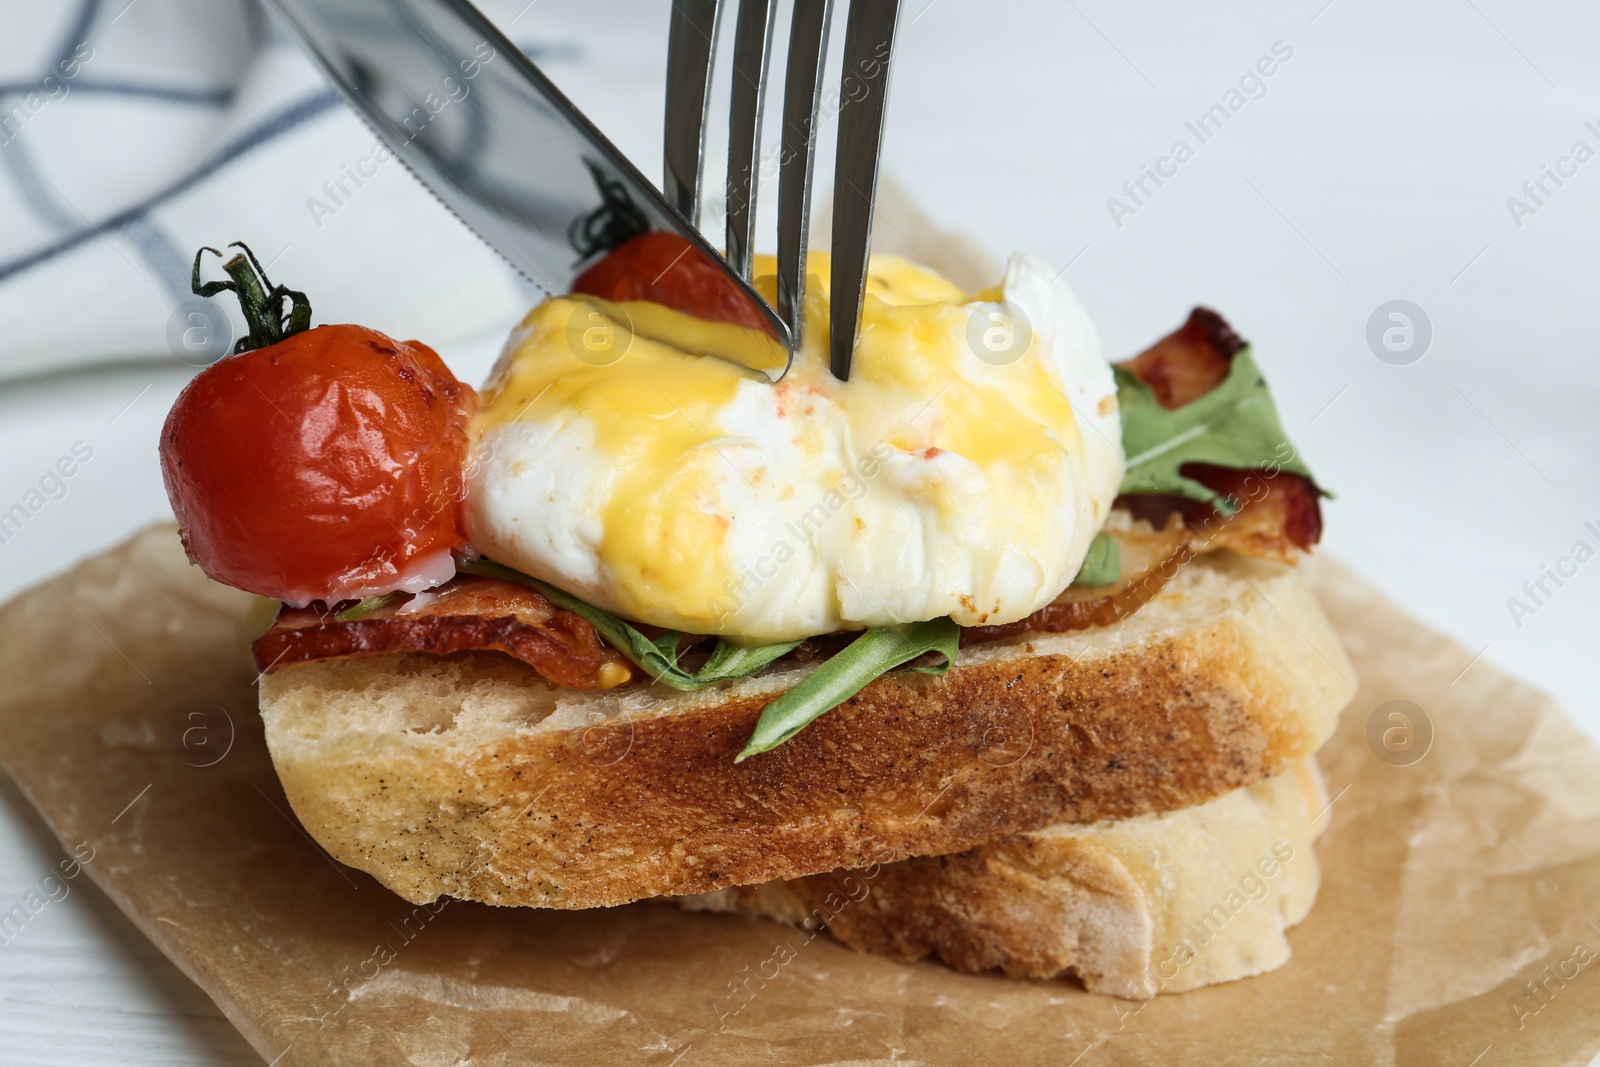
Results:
469 776
1135 907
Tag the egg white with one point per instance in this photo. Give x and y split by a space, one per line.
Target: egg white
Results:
933 483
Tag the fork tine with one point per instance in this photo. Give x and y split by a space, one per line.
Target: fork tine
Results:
808 50
863 99
752 46
689 52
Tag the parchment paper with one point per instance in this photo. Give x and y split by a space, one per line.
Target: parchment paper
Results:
128 718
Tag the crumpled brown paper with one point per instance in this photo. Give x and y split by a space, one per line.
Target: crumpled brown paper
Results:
1459 914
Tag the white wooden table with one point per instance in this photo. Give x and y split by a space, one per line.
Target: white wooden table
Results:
1377 165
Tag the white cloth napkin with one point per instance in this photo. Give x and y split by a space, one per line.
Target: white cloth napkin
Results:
133 133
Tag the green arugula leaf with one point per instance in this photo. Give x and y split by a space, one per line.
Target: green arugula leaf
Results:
658 658
1235 425
366 606
1103 564
874 653
731 661
838 679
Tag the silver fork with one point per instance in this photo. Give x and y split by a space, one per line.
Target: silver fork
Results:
869 47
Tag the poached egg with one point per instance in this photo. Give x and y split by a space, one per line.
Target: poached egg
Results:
962 470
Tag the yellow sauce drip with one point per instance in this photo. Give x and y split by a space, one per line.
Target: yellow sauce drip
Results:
654 413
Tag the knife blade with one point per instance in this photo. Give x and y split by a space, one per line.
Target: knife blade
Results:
498 144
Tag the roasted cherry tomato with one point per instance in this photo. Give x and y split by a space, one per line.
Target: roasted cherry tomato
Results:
317 464
666 269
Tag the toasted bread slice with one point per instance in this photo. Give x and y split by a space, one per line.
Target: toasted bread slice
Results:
1133 907
472 777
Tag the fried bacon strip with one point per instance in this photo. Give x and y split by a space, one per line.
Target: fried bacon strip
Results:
482 614
1278 514
1150 556
1190 361
468 613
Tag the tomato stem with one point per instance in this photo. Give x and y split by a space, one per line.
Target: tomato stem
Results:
260 300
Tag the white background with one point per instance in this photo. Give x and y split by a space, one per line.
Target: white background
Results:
1377 166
